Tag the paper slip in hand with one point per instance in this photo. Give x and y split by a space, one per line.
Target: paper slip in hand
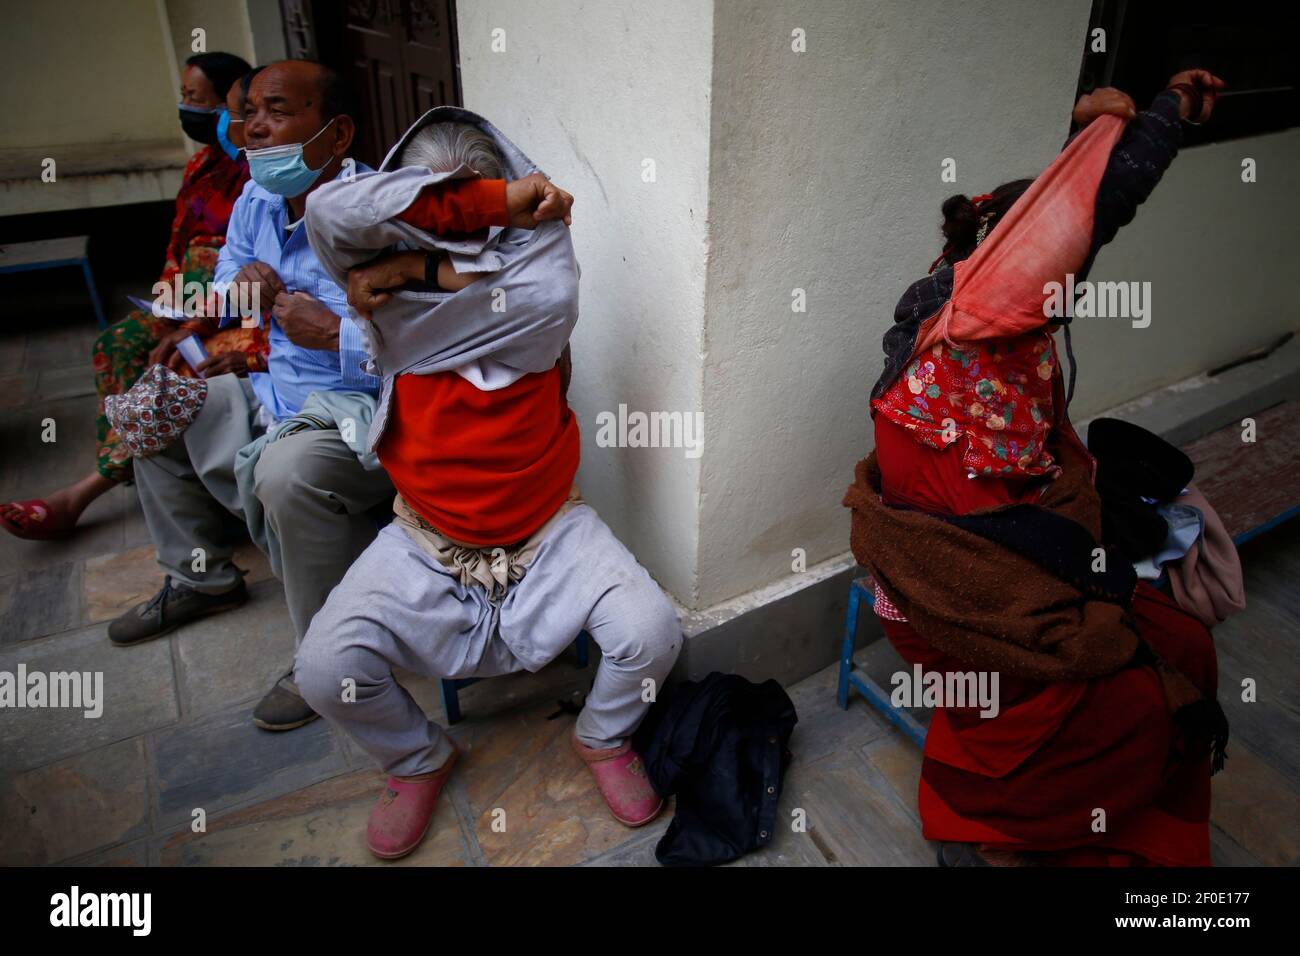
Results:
157 309
192 351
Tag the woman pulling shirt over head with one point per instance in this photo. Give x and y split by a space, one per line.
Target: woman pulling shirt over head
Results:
977 517
211 113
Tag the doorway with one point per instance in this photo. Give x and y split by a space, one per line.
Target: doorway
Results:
399 55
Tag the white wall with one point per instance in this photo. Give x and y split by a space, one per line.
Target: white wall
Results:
85 71
267 31
94 86
225 25
1221 256
588 91
821 171
825 176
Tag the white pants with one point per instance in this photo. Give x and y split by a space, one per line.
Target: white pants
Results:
396 606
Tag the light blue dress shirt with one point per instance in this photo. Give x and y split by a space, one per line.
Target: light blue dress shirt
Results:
258 233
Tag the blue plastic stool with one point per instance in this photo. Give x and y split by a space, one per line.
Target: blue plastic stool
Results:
861 590
451 688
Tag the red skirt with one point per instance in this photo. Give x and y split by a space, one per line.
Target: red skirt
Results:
1090 773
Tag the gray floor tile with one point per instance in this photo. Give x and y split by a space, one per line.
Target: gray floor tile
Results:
40 602
56 384
234 656
853 816
35 466
138 690
223 760
75 806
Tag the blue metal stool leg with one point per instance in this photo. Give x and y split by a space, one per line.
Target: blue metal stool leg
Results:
450 700
94 294
450 689
878 698
846 651
873 693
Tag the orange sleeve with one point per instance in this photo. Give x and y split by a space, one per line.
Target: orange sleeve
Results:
459 206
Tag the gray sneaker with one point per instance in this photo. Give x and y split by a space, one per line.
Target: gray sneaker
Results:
283 708
174 605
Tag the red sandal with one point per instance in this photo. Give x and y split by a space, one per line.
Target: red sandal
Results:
622 779
404 811
36 511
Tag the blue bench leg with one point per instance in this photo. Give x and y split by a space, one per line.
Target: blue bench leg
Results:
450 689
846 651
450 701
94 294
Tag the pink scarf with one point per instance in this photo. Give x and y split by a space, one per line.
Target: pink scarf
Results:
998 291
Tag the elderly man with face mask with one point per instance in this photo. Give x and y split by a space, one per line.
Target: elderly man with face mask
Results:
314 493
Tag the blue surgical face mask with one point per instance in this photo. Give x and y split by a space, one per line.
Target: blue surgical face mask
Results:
281 169
223 136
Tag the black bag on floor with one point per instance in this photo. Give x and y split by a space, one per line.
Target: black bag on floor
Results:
720 745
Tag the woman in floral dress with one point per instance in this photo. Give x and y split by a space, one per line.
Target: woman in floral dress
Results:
213 179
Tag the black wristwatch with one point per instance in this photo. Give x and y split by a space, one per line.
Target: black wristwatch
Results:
431 268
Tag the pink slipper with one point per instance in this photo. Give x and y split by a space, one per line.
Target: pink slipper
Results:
621 776
401 818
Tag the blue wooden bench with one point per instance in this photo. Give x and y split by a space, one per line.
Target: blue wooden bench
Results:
53 254
451 688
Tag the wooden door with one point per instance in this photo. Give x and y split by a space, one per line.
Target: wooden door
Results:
399 56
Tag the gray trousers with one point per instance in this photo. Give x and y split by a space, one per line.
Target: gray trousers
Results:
314 490
397 607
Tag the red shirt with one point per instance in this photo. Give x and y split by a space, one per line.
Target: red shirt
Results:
485 468
458 206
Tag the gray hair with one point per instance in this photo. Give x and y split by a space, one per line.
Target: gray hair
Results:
444 146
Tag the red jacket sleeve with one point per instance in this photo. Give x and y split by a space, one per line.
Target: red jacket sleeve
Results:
459 206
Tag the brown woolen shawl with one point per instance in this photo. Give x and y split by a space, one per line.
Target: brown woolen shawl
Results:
998 610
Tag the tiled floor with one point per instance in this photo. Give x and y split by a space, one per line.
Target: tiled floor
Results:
175 744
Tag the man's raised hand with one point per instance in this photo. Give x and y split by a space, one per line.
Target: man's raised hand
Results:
235 363
163 352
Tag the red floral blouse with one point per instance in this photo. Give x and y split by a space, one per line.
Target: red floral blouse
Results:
997 393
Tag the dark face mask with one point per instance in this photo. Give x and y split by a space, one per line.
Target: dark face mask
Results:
199 123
